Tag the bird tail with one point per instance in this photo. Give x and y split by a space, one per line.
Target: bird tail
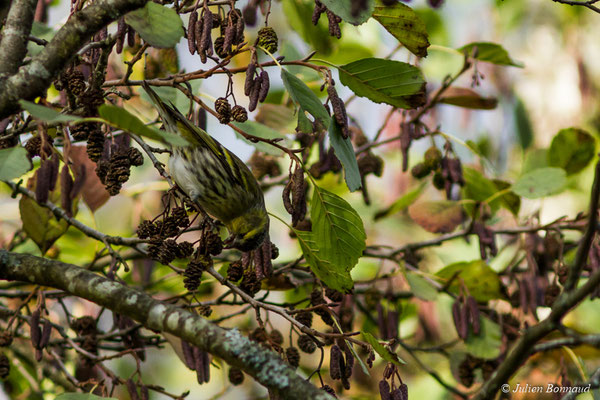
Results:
175 122
167 112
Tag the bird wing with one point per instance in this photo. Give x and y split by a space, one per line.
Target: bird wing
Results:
176 122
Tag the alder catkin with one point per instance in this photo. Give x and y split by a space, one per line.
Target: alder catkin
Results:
66 186
42 183
264 86
205 39
335 362
191 32
254 94
249 83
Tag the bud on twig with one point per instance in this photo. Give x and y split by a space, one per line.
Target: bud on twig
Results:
473 313
339 110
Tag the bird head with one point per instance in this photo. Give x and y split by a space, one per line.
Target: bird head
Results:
248 231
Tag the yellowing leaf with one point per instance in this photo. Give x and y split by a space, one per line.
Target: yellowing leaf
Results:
481 280
405 25
39 222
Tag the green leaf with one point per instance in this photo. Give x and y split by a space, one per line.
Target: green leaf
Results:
382 350
523 126
81 396
342 8
490 52
332 275
385 81
158 25
123 119
40 31
420 287
304 124
435 25
572 149
305 98
534 159
45 113
345 152
437 216
487 344
299 15
540 182
467 98
481 280
402 203
13 163
405 25
510 200
479 188
262 131
277 116
337 229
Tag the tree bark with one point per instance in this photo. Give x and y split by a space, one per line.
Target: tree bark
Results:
15 32
230 345
33 79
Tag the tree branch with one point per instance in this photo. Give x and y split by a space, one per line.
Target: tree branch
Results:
565 302
237 350
15 33
591 340
588 237
593 383
588 4
34 78
60 213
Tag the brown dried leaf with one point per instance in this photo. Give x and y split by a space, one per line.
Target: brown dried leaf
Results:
467 98
437 216
93 191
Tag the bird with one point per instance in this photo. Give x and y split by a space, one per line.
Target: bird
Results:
215 178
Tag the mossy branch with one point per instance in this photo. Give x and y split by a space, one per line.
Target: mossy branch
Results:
32 79
230 345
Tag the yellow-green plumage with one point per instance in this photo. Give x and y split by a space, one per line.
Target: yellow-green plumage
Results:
216 179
